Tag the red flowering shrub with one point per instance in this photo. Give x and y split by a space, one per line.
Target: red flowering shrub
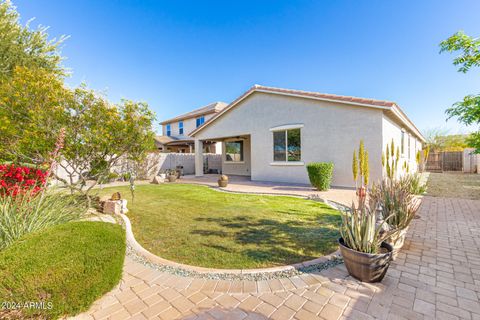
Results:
15 180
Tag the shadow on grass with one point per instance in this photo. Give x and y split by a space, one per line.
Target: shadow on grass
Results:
267 240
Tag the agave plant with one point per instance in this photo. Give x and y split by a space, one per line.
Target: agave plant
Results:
360 230
396 202
24 214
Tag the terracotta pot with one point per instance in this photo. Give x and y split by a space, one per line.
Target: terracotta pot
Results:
397 241
366 267
222 183
172 178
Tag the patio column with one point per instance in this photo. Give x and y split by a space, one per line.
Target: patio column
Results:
198 158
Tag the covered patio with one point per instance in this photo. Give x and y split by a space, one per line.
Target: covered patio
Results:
236 155
243 184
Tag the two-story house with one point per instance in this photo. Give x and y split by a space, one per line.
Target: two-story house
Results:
175 131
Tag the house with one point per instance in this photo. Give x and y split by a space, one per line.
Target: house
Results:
270 134
175 137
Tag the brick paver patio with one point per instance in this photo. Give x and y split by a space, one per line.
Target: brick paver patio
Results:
436 276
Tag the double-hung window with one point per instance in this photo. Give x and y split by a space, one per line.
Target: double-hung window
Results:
234 151
180 127
287 145
200 121
169 129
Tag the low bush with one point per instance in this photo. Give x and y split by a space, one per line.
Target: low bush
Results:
416 186
65 267
320 174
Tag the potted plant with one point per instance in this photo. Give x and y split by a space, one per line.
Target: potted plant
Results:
172 175
365 252
223 181
397 206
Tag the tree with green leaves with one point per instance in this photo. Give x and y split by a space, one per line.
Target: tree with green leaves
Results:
31 109
98 134
35 105
466 111
21 46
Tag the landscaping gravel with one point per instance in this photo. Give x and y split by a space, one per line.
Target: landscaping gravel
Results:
232 276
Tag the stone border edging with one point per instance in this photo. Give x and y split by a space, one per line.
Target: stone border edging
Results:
205 271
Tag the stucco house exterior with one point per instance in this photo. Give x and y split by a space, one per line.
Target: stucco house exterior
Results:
270 134
175 131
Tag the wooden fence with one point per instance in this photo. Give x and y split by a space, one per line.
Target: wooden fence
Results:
445 161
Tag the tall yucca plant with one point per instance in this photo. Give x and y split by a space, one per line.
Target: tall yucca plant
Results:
24 214
360 166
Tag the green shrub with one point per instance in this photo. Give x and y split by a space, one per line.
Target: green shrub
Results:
22 215
320 174
416 186
68 267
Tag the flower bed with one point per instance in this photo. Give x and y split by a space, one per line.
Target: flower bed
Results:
16 180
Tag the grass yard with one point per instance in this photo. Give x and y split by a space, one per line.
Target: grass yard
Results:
69 265
454 185
199 226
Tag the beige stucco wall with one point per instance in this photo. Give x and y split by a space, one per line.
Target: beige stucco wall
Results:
393 130
331 131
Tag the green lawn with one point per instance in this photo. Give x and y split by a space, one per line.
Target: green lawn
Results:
67 267
199 226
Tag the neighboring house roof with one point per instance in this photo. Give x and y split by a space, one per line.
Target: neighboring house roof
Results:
364 102
171 141
214 107
163 139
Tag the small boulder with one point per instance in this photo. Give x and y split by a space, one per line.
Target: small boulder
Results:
158 180
112 207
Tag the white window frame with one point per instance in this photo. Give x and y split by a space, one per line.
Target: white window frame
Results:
168 129
242 150
285 128
199 121
180 127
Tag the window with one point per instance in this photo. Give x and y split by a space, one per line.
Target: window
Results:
234 151
402 143
180 127
287 145
409 152
200 121
169 129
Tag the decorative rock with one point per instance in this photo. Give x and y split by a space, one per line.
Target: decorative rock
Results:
115 206
158 180
116 196
112 207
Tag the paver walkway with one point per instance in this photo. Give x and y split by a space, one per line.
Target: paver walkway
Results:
436 276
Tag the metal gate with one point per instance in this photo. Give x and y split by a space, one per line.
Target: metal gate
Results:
444 161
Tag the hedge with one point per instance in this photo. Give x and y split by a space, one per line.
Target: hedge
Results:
320 174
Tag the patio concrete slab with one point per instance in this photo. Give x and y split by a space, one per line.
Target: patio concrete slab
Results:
436 276
242 184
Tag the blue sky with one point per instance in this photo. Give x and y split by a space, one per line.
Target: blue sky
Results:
180 55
